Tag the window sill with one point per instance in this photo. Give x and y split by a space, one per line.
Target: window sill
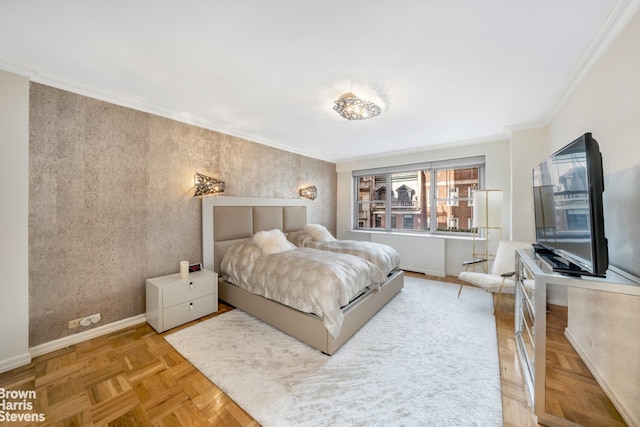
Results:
423 235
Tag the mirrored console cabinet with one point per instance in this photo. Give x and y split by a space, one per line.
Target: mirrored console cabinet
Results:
602 326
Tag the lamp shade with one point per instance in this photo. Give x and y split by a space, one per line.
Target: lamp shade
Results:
487 209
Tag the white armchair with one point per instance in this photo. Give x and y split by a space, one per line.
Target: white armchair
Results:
500 278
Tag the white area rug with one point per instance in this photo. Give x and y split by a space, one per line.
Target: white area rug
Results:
427 358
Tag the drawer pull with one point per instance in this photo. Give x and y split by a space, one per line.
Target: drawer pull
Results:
190 306
190 285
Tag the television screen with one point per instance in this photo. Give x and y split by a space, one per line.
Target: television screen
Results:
567 194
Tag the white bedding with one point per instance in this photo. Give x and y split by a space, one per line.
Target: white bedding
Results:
383 256
308 280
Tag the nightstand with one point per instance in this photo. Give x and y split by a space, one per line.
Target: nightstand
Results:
173 301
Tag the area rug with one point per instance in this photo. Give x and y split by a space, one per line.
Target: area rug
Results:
427 358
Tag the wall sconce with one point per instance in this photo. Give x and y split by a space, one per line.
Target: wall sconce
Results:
206 185
310 192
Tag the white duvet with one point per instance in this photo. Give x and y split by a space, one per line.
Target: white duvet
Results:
308 280
383 256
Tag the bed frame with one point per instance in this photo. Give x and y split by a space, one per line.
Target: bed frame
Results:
227 220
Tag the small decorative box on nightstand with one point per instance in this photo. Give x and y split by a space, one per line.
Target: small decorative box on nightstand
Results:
173 301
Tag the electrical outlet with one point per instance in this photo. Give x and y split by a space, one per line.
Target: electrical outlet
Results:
85 321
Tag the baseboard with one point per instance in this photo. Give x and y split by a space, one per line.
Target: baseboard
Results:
626 414
15 362
64 342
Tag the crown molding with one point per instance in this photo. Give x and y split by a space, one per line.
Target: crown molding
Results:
18 68
38 76
509 130
610 29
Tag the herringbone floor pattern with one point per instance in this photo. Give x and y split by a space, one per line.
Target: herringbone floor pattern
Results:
566 373
133 377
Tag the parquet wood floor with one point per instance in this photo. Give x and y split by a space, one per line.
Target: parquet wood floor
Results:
133 377
566 373
572 392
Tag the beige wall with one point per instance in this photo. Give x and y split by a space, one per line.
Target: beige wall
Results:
607 103
110 202
14 203
528 148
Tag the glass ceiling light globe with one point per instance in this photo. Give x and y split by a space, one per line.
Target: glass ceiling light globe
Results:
351 107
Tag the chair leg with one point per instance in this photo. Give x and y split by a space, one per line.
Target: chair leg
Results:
495 305
462 284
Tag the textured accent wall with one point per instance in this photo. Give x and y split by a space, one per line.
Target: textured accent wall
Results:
110 202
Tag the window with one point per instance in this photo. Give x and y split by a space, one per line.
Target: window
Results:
433 197
452 195
372 201
471 190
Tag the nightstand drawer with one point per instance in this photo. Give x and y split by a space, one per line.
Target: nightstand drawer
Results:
188 311
188 289
172 300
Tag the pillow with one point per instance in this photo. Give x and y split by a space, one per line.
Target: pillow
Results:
319 233
272 241
299 238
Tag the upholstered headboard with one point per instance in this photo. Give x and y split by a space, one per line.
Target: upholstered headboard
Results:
226 220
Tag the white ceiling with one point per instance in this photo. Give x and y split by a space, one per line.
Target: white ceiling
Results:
269 70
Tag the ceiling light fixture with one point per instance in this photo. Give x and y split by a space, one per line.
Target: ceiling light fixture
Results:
351 107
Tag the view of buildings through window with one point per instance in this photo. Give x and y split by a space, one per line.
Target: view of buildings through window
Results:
430 200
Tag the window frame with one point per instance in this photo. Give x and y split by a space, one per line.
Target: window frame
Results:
432 168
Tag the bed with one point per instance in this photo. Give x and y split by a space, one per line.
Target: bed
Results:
317 236
229 220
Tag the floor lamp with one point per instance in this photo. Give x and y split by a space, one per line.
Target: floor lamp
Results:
487 216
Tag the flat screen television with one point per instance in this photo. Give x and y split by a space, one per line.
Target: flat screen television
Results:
567 195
